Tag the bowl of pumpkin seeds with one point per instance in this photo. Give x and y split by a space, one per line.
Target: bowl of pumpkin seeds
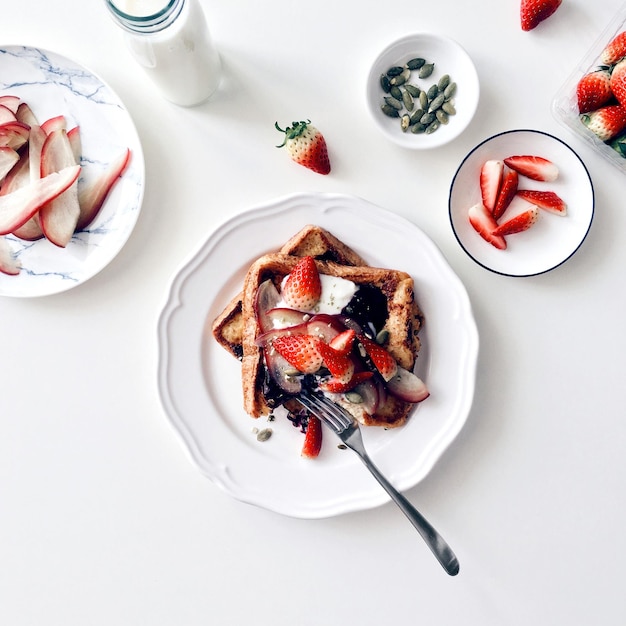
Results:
423 90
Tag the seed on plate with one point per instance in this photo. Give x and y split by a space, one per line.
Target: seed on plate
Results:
448 92
416 129
353 397
384 83
415 64
423 100
427 118
407 99
382 337
449 108
432 127
405 121
444 81
417 115
426 70
264 434
414 90
396 104
400 79
436 103
388 110
396 70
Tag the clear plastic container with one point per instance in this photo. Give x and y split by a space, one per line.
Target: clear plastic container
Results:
564 105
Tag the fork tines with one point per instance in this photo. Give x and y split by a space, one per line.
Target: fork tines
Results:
327 410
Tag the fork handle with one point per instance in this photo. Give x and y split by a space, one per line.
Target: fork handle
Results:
433 539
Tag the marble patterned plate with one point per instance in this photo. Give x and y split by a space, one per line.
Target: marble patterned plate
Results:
53 85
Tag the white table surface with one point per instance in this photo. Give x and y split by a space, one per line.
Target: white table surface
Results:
104 520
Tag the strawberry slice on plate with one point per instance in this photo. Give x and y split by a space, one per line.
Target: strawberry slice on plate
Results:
521 222
301 351
313 438
381 358
508 190
490 181
484 224
340 365
533 167
547 200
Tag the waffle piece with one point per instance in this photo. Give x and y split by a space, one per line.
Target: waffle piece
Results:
403 323
310 241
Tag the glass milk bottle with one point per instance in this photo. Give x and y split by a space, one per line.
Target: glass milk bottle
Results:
170 39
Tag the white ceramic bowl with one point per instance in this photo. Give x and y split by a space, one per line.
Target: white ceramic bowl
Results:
449 58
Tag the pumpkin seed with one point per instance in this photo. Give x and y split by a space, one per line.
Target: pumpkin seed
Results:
400 79
415 64
396 92
353 397
444 81
436 103
442 116
407 99
264 435
417 115
414 90
426 70
432 92
423 100
448 107
427 118
396 104
395 71
384 83
432 127
388 110
382 337
448 92
416 129
405 122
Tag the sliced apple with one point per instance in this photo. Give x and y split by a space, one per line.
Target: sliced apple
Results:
75 141
14 134
18 176
407 386
59 216
9 263
18 207
6 115
25 114
93 194
35 145
8 158
58 122
10 101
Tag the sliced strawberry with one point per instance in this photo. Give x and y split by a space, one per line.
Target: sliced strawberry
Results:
93 194
533 167
301 351
344 341
332 385
522 221
483 223
313 438
490 182
547 200
303 287
340 366
381 358
18 207
507 192
9 264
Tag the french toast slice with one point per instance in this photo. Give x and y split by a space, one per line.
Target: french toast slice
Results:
311 241
402 324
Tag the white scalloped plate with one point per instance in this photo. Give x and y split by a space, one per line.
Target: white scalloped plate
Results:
54 85
200 383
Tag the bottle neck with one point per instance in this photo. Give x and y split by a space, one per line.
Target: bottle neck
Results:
128 16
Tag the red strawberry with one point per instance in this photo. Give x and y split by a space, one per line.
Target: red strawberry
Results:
618 82
532 12
340 366
483 223
343 342
615 50
313 438
547 200
593 90
607 122
303 287
517 224
301 351
490 181
534 167
306 146
335 386
381 358
507 193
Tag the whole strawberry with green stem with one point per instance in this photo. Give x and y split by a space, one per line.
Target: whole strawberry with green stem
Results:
306 146
607 122
594 90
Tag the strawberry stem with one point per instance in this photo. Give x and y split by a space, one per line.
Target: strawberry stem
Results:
293 131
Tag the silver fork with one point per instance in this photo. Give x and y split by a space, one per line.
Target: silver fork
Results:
347 429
